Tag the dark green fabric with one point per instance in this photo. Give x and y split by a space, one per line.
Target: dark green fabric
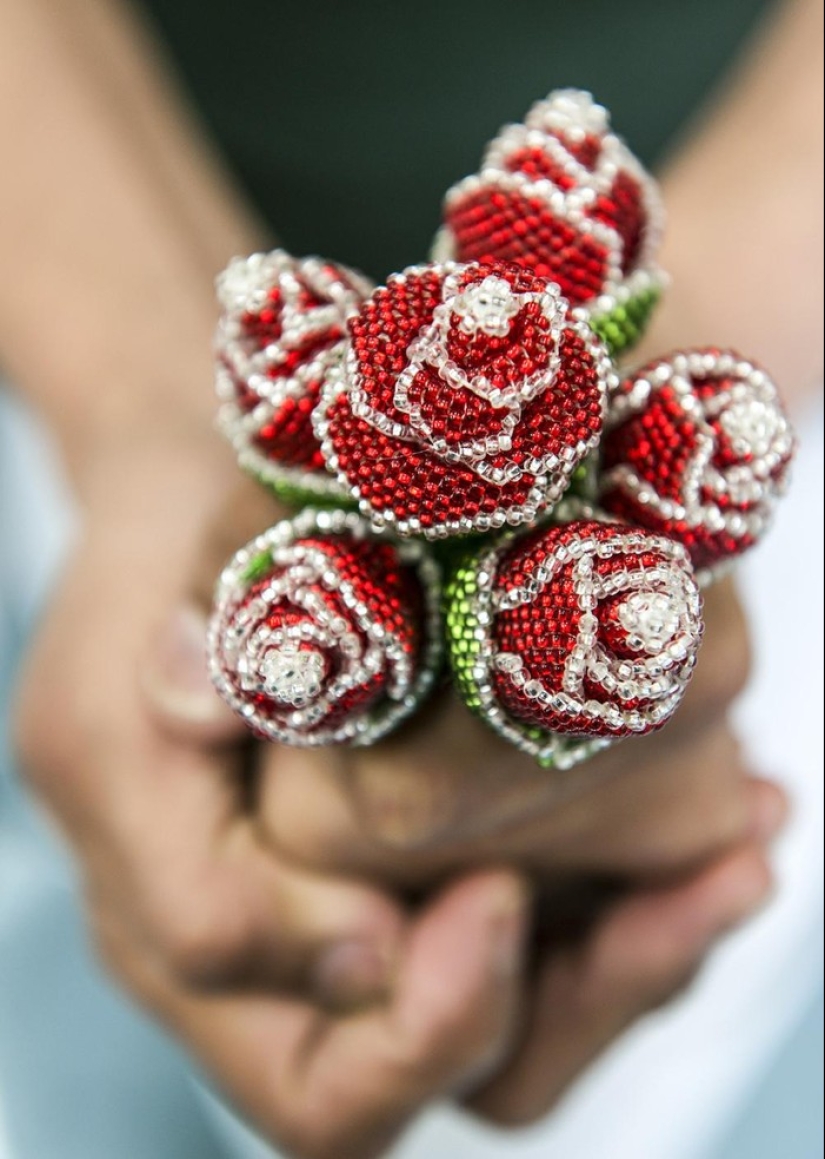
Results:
348 120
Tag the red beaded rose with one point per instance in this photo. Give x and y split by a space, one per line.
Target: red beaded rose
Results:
467 399
698 449
282 328
322 634
585 630
563 196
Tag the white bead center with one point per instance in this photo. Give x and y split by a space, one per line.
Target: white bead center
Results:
752 425
292 676
488 306
650 617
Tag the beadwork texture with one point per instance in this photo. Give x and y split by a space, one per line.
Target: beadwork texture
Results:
323 634
282 328
574 635
698 448
563 196
467 399
473 402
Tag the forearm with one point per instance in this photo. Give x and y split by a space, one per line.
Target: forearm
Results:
114 221
744 197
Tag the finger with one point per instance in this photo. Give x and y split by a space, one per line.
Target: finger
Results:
326 1089
454 1012
673 808
173 674
221 910
724 662
165 842
641 954
175 681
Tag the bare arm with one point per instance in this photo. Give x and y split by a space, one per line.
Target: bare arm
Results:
114 219
744 199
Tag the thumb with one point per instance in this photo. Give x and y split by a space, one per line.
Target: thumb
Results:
175 681
174 675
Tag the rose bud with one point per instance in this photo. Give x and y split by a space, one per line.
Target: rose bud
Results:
574 635
467 399
563 196
282 328
321 634
698 448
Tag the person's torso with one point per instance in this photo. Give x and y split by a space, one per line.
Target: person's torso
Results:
347 122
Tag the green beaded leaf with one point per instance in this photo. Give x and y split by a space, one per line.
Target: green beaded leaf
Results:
625 324
257 567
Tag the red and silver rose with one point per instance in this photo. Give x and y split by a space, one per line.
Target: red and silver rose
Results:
467 398
698 448
282 327
563 196
576 635
322 634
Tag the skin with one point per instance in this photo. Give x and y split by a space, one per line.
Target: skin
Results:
432 918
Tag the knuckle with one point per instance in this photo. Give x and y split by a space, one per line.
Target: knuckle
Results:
406 808
663 986
203 945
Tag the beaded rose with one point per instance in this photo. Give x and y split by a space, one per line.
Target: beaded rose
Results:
282 329
471 410
698 448
563 196
465 402
574 635
322 634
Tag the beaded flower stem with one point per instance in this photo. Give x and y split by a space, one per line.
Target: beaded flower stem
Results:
323 634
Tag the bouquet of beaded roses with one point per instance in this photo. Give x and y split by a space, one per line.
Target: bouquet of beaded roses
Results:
475 477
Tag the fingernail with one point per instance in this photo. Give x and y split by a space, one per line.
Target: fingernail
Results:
176 673
749 893
770 812
352 974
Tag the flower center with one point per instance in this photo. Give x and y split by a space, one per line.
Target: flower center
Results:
651 618
291 675
752 426
489 306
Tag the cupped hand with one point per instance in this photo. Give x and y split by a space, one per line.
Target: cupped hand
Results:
161 826
445 794
249 939
472 1014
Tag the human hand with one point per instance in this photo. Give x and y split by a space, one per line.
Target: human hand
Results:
444 794
469 1016
193 910
160 825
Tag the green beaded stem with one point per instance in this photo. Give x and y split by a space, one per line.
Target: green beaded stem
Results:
299 497
625 324
467 640
461 625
